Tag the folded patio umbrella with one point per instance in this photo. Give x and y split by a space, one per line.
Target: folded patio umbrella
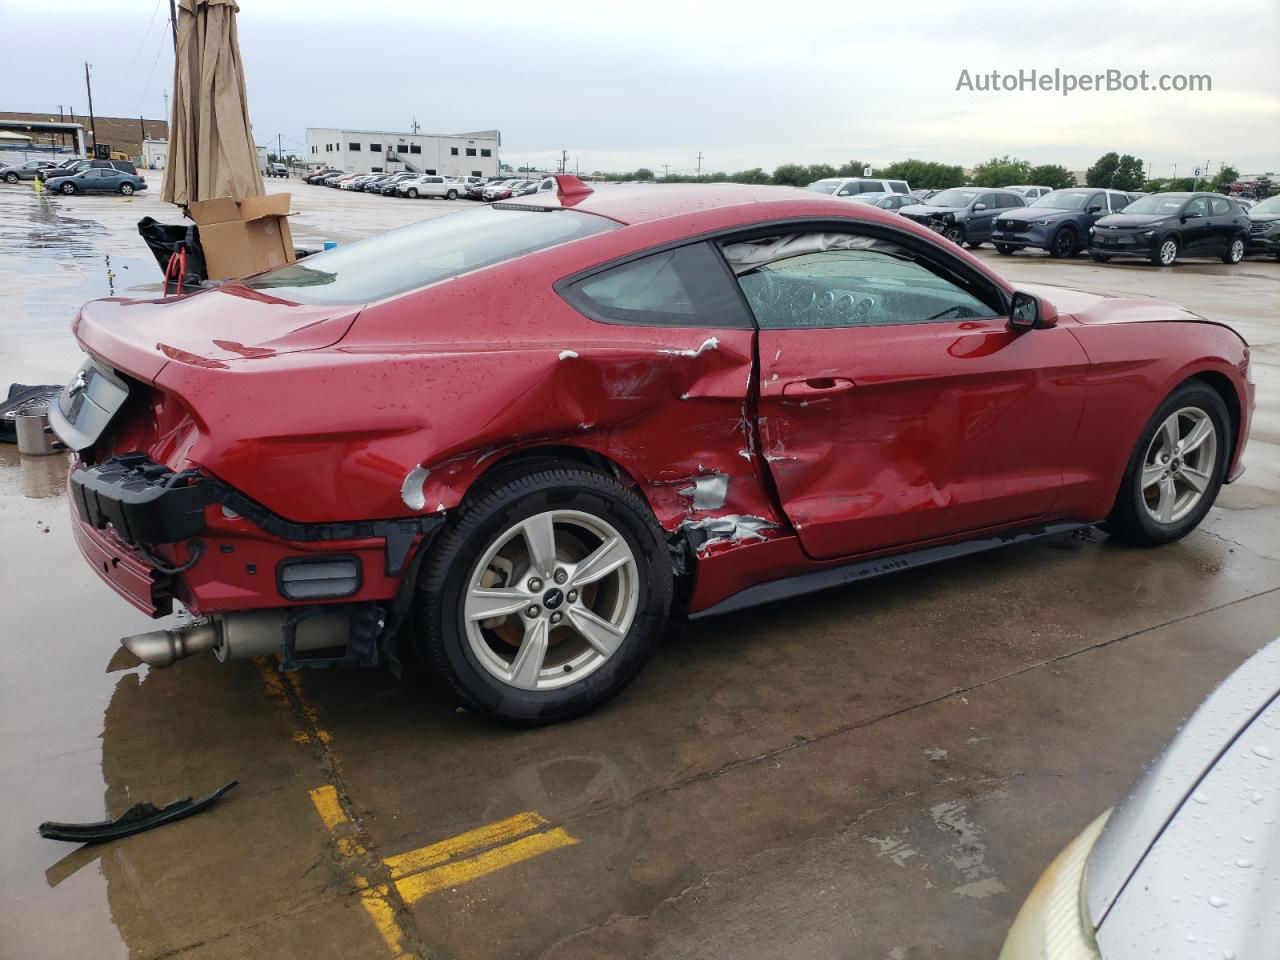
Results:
211 149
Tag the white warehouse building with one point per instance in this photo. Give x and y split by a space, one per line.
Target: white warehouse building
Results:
380 151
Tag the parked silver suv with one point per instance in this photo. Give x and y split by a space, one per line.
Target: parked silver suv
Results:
852 186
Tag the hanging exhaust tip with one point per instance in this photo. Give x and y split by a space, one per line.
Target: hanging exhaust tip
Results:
163 648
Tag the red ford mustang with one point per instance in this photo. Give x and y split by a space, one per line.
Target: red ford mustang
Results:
515 439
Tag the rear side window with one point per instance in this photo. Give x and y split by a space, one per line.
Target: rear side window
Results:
871 186
425 253
685 287
1221 207
898 186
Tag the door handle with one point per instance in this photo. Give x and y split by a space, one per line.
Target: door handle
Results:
815 387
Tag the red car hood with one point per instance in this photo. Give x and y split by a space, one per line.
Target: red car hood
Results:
1099 308
212 328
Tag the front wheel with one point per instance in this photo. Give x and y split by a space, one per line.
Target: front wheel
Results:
1099 258
1176 469
1235 252
68 188
1166 254
955 234
974 244
1004 249
546 596
411 193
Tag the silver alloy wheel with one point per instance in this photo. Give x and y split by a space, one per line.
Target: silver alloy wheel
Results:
127 189
551 600
954 234
1168 252
1237 250
1179 464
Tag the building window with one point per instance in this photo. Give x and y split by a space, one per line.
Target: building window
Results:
353 146
414 148
453 151
432 172
485 153
375 169
401 148
375 147
476 173
313 148
471 151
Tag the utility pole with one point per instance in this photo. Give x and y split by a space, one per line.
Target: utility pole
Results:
142 131
173 25
414 126
279 150
93 130
166 106
699 163
564 161
666 171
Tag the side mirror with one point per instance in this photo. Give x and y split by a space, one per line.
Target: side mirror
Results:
1094 209
1191 216
979 206
1028 312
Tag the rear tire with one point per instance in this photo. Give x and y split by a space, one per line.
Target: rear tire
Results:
1173 464
451 195
1235 252
126 189
1063 244
486 559
10 178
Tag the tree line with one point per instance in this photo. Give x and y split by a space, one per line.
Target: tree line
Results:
1113 170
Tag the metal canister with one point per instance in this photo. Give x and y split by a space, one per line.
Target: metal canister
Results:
35 439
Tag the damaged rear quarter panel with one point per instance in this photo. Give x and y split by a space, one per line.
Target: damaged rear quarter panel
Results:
432 388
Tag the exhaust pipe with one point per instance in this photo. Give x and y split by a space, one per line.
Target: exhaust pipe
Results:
163 648
236 636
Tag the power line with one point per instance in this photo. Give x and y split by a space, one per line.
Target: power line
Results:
150 23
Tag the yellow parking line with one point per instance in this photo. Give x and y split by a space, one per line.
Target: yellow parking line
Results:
487 836
375 897
416 886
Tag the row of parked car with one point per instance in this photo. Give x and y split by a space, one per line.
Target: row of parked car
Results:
78 175
415 185
1159 227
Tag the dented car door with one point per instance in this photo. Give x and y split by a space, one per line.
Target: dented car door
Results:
895 405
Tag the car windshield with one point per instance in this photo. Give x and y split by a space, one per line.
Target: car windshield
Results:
824 186
1267 206
424 253
1064 199
953 198
1165 206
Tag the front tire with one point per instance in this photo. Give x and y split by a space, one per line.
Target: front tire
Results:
955 234
1166 255
546 596
1099 258
411 193
1005 250
1176 469
68 188
1234 253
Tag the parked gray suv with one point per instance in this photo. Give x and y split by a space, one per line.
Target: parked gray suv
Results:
963 214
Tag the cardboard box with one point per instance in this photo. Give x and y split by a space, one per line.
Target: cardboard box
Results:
246 237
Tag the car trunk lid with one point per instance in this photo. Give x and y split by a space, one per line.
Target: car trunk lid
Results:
213 328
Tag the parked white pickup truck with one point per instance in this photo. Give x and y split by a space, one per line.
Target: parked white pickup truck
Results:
431 185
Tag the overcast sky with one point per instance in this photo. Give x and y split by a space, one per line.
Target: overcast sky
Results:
654 83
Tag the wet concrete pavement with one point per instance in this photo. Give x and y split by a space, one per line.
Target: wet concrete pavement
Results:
880 771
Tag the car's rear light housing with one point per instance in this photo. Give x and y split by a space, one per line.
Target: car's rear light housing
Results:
320 577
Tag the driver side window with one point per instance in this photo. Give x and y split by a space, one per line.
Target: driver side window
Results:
1199 205
845 280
